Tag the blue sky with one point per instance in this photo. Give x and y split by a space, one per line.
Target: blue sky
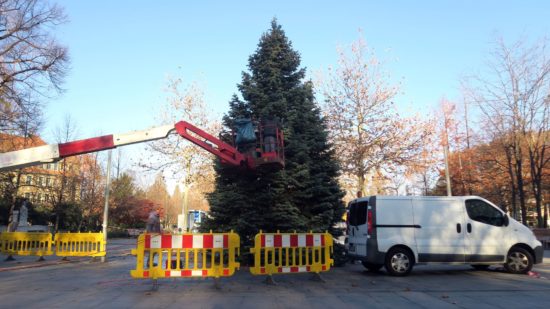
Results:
122 51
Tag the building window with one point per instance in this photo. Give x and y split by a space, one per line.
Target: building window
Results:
29 180
39 197
47 181
40 180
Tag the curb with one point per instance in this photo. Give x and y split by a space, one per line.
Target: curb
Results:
37 265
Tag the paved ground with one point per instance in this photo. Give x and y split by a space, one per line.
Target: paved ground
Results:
80 283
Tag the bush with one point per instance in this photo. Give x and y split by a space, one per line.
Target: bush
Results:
4 211
39 215
70 216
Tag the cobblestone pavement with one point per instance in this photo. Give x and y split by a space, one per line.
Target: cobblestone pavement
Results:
80 283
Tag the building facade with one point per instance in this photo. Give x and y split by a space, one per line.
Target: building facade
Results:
48 183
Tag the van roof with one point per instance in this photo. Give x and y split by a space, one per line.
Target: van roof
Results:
410 197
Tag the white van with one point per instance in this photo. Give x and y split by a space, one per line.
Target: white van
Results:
400 231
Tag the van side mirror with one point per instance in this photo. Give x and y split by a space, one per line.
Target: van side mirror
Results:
506 220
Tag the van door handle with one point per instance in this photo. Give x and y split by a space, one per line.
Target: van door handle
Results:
458 228
469 228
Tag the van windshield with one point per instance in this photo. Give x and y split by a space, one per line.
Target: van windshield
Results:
358 213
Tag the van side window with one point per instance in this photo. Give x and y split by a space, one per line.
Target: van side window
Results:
358 213
351 214
480 211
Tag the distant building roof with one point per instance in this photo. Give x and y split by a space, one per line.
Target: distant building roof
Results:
10 142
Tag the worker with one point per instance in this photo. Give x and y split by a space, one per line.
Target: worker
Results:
270 125
153 222
245 138
153 226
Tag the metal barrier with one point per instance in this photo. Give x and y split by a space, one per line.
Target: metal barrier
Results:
135 232
278 253
80 244
23 243
186 255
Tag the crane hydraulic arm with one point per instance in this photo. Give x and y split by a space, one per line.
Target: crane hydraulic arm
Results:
55 152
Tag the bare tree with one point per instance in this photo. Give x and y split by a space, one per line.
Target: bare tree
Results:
92 189
158 193
192 167
69 170
514 99
426 169
32 62
368 133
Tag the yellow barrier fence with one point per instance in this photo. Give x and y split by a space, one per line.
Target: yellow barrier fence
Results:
279 253
23 243
80 244
186 255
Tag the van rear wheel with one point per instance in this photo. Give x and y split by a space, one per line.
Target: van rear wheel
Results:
399 262
371 266
518 261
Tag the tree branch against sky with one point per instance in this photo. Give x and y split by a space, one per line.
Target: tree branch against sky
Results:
513 97
32 62
184 162
369 135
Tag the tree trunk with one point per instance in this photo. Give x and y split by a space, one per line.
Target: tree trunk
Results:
537 163
17 185
60 198
546 215
536 187
361 184
469 161
520 184
425 180
447 172
14 193
462 181
513 193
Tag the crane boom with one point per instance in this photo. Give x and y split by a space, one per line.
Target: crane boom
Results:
55 152
227 153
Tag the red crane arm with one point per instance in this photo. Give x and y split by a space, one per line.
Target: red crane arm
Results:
55 152
227 153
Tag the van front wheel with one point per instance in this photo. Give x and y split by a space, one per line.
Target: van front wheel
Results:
518 261
399 262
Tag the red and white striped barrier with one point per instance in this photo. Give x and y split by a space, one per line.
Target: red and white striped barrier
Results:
292 240
186 255
280 253
202 241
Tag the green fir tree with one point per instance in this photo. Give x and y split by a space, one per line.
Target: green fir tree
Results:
305 195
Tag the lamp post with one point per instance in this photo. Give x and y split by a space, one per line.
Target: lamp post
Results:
106 208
